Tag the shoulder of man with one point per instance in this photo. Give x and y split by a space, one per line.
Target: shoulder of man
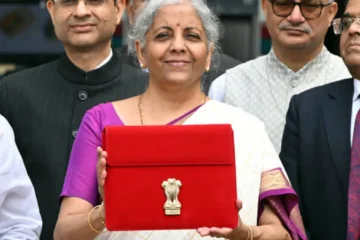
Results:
314 97
338 66
243 66
237 73
125 57
335 57
227 62
29 74
134 72
255 63
133 80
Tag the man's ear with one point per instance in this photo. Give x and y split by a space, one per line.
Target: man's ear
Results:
332 11
263 7
120 7
50 7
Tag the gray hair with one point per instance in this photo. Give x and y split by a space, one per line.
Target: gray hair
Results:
131 2
146 15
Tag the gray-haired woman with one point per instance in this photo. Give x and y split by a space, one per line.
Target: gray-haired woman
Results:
176 41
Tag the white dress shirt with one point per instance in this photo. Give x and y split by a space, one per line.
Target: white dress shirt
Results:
106 60
264 86
19 211
355 106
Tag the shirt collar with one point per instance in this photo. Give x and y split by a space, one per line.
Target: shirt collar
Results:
320 58
106 71
356 89
106 60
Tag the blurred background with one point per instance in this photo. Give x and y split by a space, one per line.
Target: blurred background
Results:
27 38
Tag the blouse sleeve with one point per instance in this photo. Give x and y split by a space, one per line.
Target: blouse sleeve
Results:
81 177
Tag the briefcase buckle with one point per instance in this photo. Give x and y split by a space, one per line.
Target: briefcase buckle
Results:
172 205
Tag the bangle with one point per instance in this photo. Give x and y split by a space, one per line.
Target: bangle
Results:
89 219
250 233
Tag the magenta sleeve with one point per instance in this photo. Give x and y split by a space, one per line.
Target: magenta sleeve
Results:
81 177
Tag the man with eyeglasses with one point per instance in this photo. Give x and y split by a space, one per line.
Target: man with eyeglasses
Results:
45 105
297 61
321 144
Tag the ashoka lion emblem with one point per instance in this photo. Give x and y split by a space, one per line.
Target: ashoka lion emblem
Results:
172 188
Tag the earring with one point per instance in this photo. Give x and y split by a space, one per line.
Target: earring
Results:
207 69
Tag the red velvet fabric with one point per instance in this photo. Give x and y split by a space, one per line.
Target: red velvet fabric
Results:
140 158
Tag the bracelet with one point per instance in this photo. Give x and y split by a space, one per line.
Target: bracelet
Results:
89 219
250 233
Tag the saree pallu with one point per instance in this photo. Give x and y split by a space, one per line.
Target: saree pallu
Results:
276 191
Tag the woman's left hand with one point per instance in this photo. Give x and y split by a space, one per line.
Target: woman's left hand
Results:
239 233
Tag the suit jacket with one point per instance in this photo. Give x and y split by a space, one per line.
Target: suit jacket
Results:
315 151
226 62
45 106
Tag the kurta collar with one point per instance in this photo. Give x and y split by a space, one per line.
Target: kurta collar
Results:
275 63
103 74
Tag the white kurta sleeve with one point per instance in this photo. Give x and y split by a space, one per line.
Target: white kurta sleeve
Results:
19 211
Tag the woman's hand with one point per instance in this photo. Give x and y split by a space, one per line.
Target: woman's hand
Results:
101 174
240 233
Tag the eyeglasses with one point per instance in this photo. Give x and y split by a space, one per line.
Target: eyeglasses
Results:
343 24
310 9
74 3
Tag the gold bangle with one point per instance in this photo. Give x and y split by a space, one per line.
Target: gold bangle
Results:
89 219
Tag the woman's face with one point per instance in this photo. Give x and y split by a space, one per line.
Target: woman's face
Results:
176 50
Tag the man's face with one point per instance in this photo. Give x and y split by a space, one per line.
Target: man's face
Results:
294 28
85 23
350 35
132 9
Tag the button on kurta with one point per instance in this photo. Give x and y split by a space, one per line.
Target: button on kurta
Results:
294 83
83 95
74 132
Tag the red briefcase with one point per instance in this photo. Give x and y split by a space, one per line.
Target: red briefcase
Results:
170 177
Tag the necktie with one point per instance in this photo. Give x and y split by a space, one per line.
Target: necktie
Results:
354 185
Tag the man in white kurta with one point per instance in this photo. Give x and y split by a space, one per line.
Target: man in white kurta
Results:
297 62
19 211
264 86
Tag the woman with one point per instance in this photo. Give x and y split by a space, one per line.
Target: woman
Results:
176 50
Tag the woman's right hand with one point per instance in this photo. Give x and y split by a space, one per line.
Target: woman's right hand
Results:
101 173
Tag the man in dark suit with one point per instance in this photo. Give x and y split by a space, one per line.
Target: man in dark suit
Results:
225 61
45 104
321 144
